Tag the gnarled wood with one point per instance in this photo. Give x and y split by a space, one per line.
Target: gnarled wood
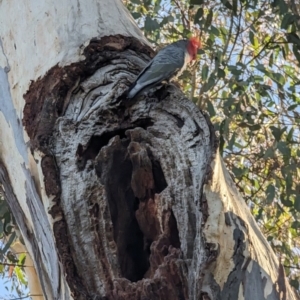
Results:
129 207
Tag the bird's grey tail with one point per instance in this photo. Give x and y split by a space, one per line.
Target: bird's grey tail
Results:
134 90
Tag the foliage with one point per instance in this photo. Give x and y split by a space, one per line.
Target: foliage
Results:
11 264
247 77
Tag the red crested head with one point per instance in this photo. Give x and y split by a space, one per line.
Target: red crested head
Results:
193 45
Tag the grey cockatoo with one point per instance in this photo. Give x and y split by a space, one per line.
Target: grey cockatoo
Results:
169 62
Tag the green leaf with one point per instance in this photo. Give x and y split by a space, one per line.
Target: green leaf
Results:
277 132
198 16
209 18
21 259
262 68
279 78
150 24
234 70
270 193
164 21
282 6
296 52
3 209
215 31
157 7
287 20
196 2
231 142
269 153
285 50
271 60
293 38
210 109
170 18
1 229
238 172
295 283
221 145
297 203
253 39
287 202
204 72
209 84
20 275
8 244
290 135
292 107
259 215
273 75
234 7
296 225
227 4
255 127
284 149
221 73
136 15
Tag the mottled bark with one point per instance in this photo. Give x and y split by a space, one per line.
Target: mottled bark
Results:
126 179
125 200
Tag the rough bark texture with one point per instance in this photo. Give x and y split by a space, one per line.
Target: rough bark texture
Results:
126 200
126 179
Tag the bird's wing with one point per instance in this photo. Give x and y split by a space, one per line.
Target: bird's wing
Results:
164 65
172 54
156 73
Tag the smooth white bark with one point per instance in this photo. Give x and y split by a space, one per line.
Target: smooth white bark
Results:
228 212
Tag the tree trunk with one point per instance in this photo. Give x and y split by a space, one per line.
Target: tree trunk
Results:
116 200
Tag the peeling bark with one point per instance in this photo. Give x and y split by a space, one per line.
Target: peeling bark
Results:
129 200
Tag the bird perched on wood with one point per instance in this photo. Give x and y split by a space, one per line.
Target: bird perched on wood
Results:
168 63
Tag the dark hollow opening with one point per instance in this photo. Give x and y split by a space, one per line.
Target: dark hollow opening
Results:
158 176
174 234
115 174
97 142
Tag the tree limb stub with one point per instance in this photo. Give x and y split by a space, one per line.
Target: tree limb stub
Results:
137 201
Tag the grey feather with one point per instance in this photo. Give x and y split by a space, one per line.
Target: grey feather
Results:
166 64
